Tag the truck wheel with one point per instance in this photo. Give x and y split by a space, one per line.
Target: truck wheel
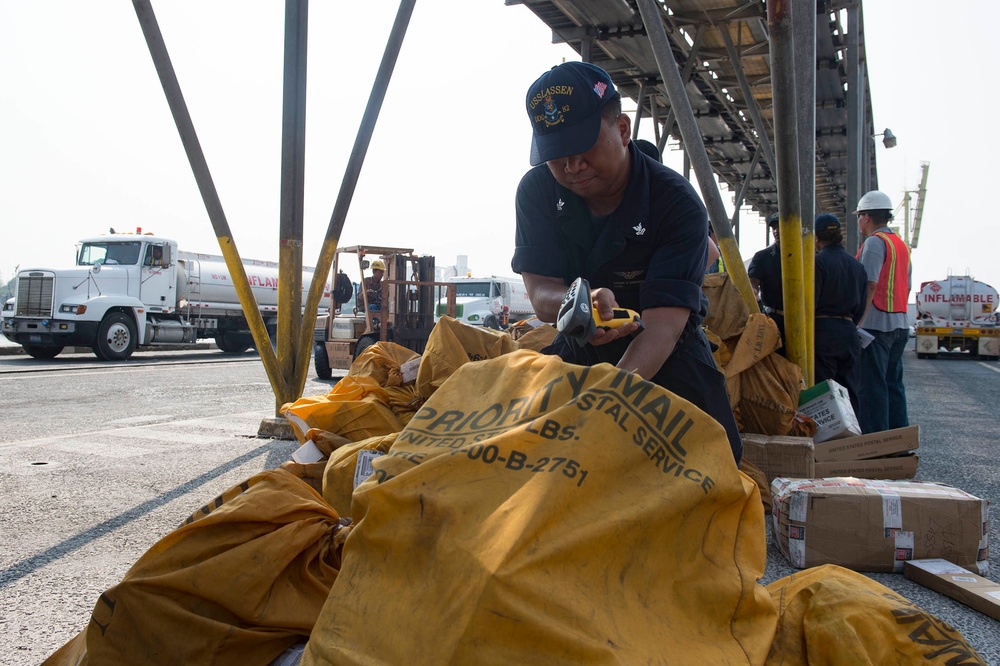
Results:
116 338
322 361
232 342
364 342
491 322
42 352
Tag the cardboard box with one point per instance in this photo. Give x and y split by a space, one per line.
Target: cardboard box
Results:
829 405
340 354
869 525
894 467
778 456
961 585
875 445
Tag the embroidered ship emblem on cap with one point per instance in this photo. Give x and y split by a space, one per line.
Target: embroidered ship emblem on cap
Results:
553 115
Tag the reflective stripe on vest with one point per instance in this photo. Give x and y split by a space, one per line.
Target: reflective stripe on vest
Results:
893 286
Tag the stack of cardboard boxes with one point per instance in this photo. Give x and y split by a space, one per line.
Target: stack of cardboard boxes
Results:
838 448
842 498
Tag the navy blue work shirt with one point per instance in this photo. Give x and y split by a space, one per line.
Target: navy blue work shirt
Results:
841 284
651 252
766 267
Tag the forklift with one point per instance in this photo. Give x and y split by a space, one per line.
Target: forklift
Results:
405 315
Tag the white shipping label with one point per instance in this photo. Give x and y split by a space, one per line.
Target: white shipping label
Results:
363 469
965 579
995 595
797 552
409 370
892 513
937 566
798 507
904 550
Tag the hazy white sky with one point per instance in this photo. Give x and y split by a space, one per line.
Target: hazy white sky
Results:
87 141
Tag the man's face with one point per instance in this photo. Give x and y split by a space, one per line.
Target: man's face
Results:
600 172
775 235
865 224
377 274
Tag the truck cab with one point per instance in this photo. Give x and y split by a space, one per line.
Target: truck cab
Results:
493 302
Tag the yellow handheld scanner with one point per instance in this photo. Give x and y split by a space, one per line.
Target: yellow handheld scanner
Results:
578 320
621 317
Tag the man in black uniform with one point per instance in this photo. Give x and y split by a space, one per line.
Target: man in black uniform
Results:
596 207
765 277
841 293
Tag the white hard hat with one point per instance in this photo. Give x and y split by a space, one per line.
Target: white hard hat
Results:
874 200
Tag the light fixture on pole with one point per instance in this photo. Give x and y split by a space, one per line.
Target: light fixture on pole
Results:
888 138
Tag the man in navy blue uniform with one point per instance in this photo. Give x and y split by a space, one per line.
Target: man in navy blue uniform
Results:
764 272
841 296
596 207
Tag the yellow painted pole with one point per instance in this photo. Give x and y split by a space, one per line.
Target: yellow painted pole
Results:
809 294
351 174
792 232
734 266
793 290
252 313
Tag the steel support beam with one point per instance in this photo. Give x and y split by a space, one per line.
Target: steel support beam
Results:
752 108
790 227
353 169
291 318
855 123
203 177
804 46
695 149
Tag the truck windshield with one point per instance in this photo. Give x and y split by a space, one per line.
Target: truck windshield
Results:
124 253
474 289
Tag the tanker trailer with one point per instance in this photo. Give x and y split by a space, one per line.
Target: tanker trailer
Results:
132 290
957 315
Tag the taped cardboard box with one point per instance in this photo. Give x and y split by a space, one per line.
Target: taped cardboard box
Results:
894 467
869 525
829 405
780 455
953 581
875 445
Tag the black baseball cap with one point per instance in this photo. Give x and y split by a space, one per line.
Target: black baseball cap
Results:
564 106
826 222
773 220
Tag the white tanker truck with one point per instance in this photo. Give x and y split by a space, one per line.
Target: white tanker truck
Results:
130 290
957 314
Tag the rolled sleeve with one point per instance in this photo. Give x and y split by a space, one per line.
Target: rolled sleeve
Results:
538 248
667 293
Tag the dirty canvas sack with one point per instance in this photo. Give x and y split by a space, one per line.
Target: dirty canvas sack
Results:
348 467
356 408
451 345
382 362
537 338
727 311
241 581
835 616
535 511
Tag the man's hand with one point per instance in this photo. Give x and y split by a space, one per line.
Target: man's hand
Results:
604 303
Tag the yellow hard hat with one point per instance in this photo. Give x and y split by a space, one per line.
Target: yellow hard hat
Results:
377 265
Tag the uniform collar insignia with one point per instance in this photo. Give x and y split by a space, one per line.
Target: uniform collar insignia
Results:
639 229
